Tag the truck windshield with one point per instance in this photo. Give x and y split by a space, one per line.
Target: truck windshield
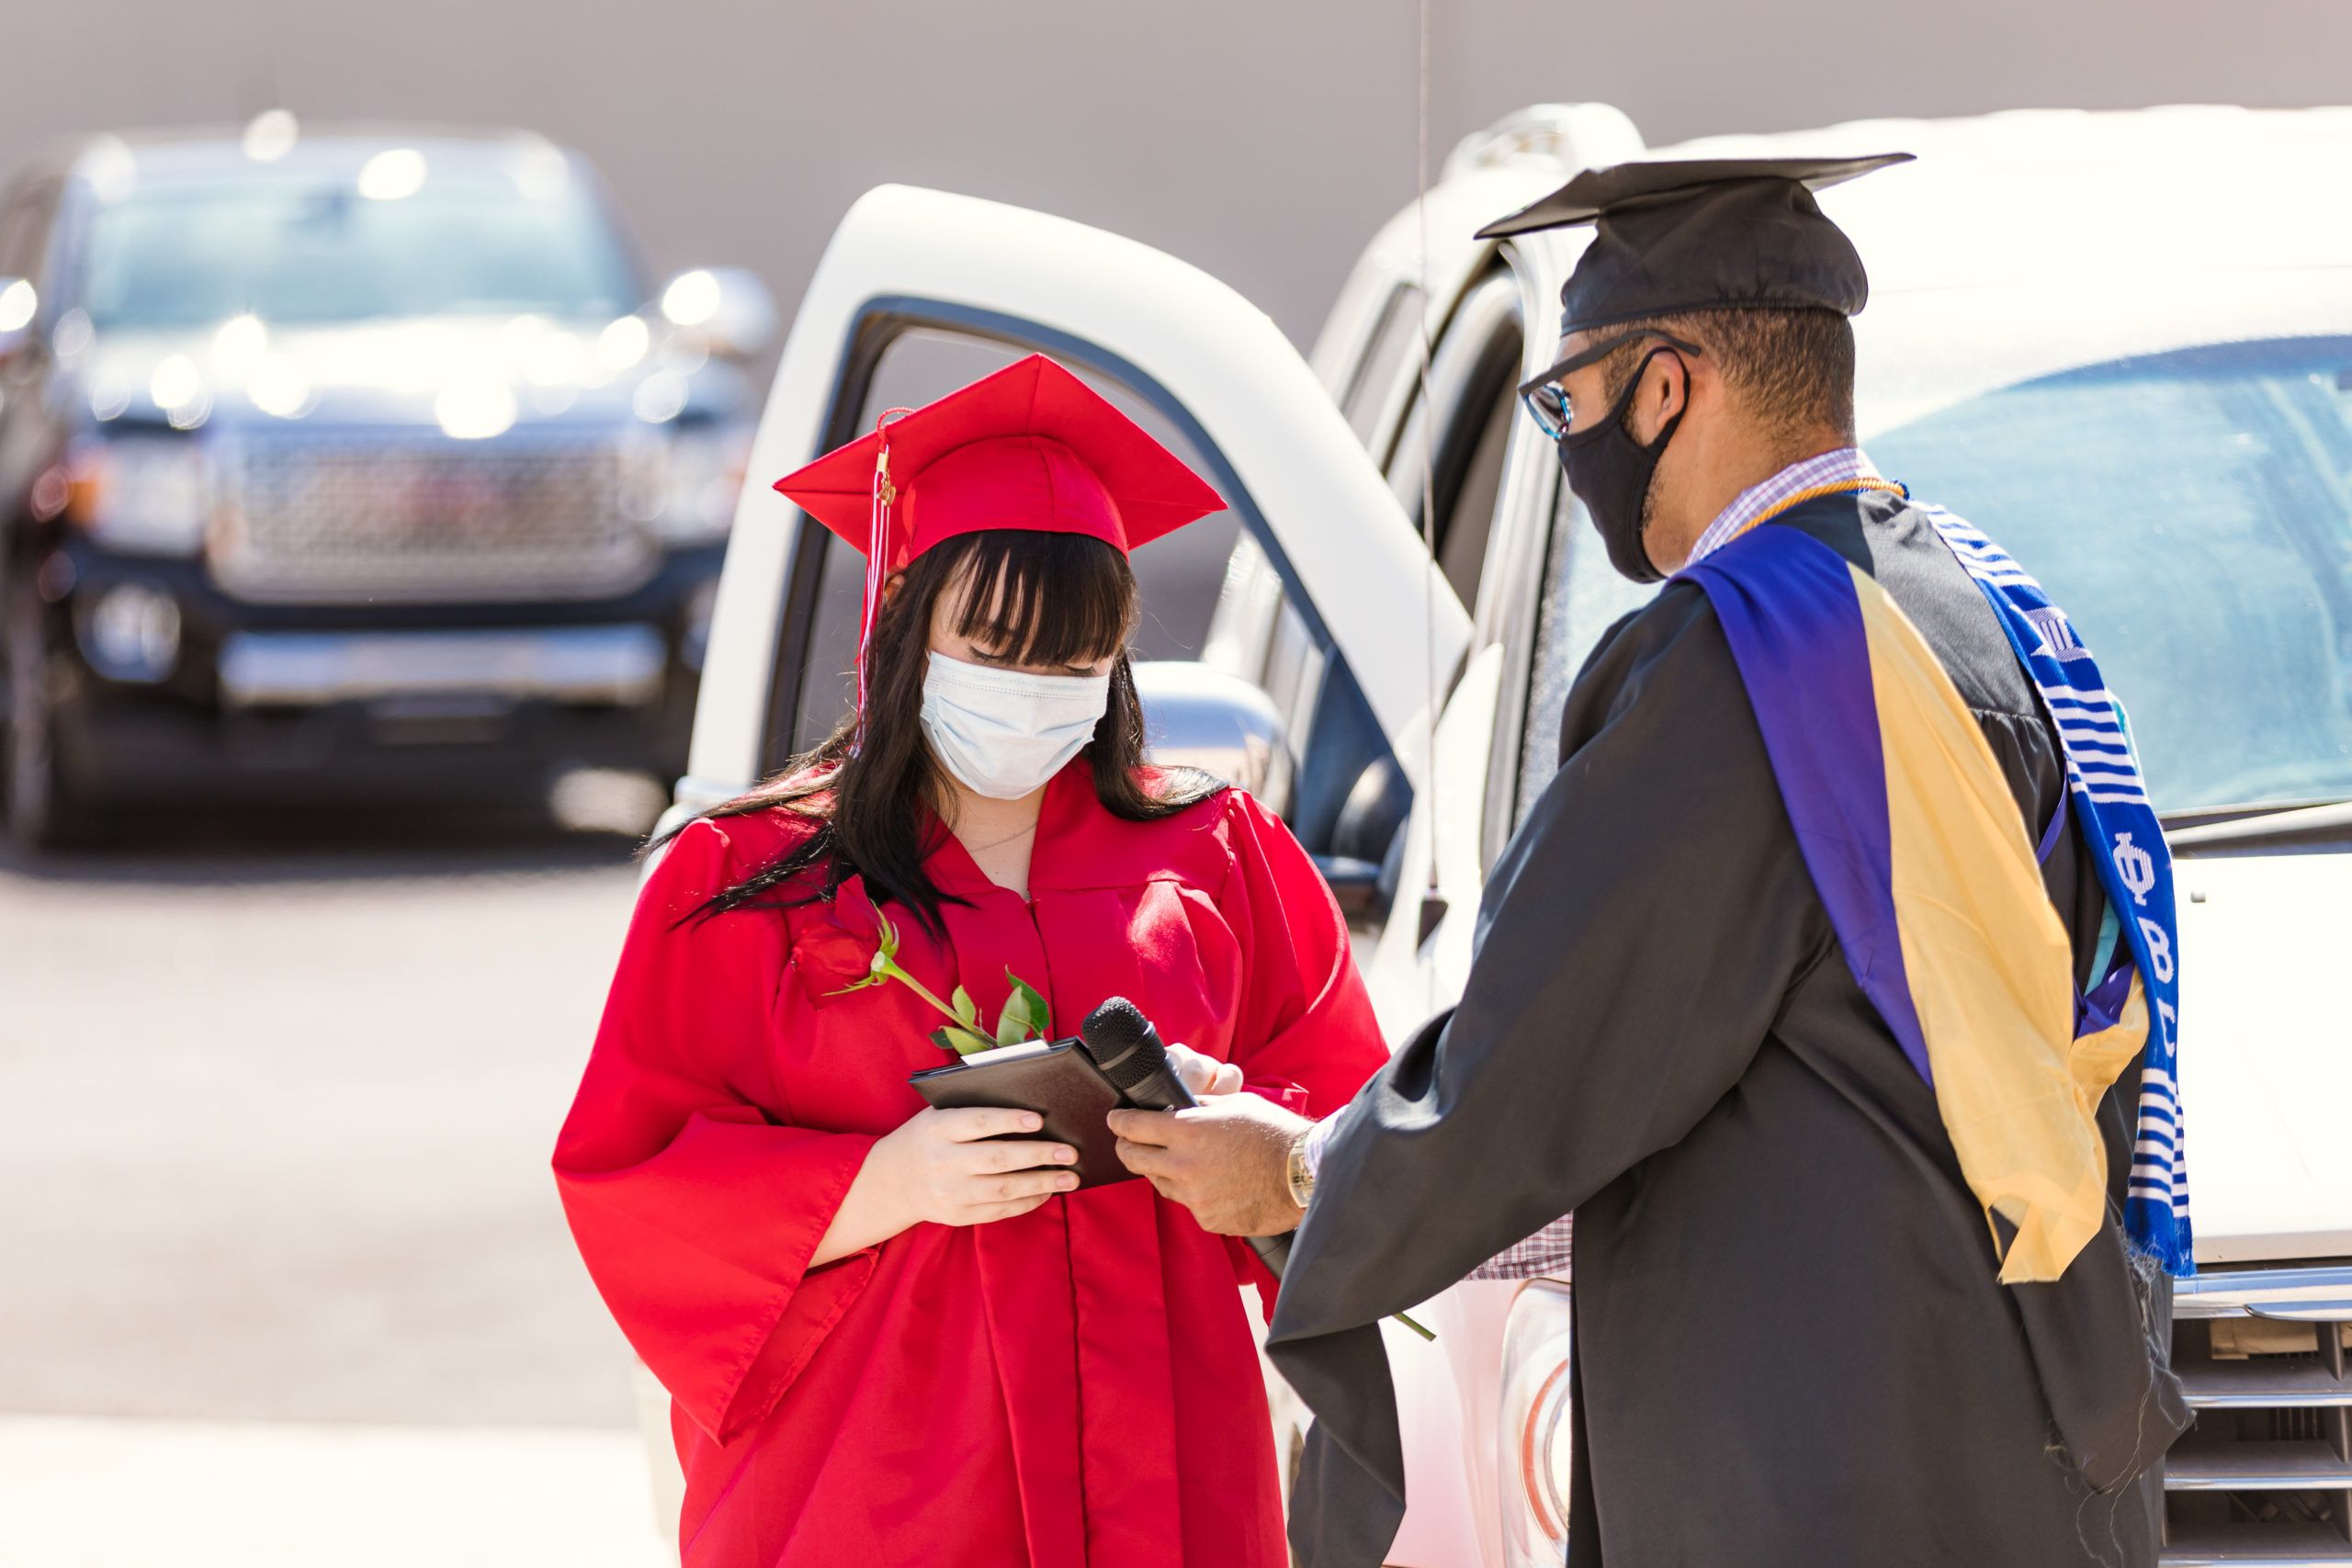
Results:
292 252
2192 513
2191 510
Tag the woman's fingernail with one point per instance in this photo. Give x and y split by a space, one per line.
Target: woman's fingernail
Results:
1065 1181
1066 1154
1030 1123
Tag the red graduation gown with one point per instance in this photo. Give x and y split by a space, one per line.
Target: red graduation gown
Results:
1075 1386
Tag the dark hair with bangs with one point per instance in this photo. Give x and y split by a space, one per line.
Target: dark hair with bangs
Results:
1034 597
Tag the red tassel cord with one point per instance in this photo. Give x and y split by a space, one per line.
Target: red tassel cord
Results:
880 549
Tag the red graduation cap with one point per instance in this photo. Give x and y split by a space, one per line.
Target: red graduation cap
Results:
1031 446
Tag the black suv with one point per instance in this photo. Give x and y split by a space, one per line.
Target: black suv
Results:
349 465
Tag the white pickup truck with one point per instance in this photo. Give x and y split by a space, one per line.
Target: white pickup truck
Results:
2148 399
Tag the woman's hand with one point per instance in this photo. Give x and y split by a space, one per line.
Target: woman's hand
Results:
1205 1075
939 1166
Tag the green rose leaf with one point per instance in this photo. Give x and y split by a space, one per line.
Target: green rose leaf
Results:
1036 1017
966 1007
960 1041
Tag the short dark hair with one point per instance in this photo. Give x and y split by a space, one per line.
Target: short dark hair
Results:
1793 369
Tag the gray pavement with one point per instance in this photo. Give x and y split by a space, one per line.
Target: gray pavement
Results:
275 1110
139 1494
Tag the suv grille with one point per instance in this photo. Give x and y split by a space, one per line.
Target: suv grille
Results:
2264 1476
347 519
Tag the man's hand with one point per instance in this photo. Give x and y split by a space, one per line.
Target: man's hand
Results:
1227 1161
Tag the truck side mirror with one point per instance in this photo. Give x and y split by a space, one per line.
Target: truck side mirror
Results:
1195 717
728 307
1366 853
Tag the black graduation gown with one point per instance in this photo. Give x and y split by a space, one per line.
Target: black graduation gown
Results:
1790 1345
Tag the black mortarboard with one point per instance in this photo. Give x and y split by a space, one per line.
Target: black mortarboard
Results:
1702 234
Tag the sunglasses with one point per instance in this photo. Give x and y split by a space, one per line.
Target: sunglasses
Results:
1548 400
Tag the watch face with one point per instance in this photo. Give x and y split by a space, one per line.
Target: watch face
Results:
1301 1179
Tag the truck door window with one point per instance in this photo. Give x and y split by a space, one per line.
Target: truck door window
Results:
1456 463
1396 343
1258 633
1464 530
1179 575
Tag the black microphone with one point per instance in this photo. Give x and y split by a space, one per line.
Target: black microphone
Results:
1128 1052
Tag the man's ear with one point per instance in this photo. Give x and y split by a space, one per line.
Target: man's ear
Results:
1666 391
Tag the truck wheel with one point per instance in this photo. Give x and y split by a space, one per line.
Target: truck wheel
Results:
44 808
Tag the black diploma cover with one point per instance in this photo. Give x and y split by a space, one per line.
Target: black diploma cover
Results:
1057 1080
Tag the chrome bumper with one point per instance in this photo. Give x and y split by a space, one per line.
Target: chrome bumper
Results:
620 665
2291 1295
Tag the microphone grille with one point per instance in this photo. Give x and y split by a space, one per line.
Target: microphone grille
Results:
1122 1042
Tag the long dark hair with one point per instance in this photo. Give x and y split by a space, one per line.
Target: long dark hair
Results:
1039 598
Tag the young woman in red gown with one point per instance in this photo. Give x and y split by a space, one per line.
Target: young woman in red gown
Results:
888 1341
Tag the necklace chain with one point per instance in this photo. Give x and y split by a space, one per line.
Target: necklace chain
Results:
994 844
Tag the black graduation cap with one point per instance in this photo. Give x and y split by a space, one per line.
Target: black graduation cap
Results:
1702 234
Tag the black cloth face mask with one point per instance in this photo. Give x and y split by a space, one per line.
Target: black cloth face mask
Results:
1610 473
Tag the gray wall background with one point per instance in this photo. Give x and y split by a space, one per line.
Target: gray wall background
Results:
1260 139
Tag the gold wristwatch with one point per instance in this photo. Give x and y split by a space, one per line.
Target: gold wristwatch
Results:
1298 1173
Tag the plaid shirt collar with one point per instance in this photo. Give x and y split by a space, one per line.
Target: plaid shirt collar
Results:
1824 468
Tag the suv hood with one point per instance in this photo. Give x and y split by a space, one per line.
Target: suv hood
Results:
2263 1050
465 374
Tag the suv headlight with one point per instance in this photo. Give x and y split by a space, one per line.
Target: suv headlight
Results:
1536 1451
684 488
146 494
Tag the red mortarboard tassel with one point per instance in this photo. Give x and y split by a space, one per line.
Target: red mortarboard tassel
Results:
878 559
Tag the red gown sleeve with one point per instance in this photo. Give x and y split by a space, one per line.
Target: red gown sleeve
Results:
694 1209
1306 1037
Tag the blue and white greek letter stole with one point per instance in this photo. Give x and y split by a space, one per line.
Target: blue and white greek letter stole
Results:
2110 808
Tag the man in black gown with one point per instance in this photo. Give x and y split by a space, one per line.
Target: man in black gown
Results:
1790 1345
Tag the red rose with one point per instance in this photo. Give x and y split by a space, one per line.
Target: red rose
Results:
834 948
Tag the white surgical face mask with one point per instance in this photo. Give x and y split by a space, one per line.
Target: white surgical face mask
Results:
1005 733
